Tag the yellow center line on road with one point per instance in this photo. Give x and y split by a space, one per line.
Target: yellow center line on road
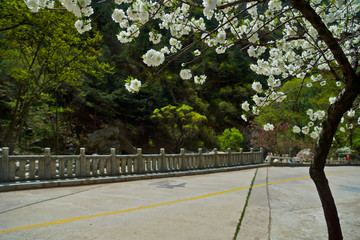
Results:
153 205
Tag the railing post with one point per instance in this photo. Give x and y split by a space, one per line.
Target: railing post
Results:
47 164
241 151
140 167
216 157
163 163
229 157
181 161
4 177
114 168
261 160
201 159
83 164
251 155
184 163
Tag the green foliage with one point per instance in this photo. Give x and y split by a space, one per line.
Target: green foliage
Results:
71 84
294 111
181 123
231 138
42 55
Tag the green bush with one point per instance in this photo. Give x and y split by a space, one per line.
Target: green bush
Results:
231 138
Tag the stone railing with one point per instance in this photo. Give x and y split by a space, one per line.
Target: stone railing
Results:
277 160
45 167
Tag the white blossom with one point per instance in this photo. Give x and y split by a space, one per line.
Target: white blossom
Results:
296 129
332 100
319 114
310 112
257 87
305 130
209 4
245 105
268 127
165 50
155 38
200 79
351 113
153 58
244 117
82 27
314 135
185 74
197 52
133 86
254 38
118 15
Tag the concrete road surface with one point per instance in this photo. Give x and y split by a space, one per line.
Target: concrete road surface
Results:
283 205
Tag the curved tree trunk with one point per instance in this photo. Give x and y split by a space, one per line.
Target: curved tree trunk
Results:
336 111
343 103
328 203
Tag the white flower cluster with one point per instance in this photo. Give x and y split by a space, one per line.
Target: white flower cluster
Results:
80 8
153 58
209 7
351 113
120 17
268 127
305 130
185 74
35 5
82 26
133 86
200 79
155 38
320 114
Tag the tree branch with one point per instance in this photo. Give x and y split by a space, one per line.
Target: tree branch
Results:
324 33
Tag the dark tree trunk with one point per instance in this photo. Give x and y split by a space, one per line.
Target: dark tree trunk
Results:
328 203
343 103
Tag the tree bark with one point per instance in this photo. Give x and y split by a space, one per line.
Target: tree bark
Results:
335 112
328 203
343 103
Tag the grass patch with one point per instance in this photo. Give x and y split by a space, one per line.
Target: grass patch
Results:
245 206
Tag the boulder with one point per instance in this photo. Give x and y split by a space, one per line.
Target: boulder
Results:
100 141
306 154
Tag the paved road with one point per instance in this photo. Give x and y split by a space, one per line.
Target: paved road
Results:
193 207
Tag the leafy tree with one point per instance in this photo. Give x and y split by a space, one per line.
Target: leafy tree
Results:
181 123
292 114
231 138
42 54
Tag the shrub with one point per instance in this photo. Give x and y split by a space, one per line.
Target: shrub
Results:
231 138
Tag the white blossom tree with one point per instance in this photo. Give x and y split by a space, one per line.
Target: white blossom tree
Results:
287 39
